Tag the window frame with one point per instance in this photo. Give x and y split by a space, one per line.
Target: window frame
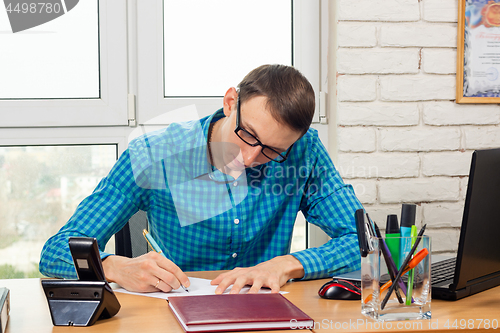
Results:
131 37
64 136
109 110
152 104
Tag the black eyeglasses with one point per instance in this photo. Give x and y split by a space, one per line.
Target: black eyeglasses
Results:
251 140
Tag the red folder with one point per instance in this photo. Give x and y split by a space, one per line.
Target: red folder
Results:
237 312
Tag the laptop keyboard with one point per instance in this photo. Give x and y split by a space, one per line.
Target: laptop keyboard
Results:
443 270
356 283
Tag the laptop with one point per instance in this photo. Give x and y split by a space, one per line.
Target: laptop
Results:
477 264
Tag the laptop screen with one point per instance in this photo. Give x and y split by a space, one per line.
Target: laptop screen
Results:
478 256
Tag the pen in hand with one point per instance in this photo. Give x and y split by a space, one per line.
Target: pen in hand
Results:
152 243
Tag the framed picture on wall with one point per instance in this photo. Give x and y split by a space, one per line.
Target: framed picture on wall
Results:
478 51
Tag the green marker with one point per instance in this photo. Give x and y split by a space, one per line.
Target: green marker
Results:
392 237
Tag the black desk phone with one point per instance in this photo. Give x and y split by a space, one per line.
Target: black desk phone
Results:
81 302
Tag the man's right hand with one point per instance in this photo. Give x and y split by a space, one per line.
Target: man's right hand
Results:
147 273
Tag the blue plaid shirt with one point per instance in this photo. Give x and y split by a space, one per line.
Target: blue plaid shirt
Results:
208 224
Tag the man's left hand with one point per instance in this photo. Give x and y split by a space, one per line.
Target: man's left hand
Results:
272 274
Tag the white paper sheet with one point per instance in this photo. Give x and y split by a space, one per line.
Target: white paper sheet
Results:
198 287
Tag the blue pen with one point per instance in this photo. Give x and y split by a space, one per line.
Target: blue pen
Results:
157 248
411 274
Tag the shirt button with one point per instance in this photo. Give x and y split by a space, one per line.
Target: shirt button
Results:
234 255
235 184
236 221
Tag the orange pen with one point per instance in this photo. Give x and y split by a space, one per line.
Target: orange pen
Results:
417 258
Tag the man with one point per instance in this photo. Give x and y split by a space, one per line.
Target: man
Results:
222 193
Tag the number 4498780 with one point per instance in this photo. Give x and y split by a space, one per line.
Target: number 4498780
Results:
39 7
472 324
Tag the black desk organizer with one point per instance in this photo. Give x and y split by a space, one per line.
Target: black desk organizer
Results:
81 302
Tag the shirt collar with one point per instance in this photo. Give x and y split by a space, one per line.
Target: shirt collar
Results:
201 165
200 158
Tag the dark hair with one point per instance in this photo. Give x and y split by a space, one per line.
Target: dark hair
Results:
290 96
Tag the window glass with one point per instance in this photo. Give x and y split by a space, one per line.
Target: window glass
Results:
299 241
40 188
208 44
56 59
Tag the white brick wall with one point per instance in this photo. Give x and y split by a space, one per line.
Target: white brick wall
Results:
378 114
482 137
443 240
440 10
443 214
356 88
356 35
450 113
439 61
417 87
419 139
378 61
446 163
357 139
379 165
463 188
420 35
378 10
366 190
401 136
419 190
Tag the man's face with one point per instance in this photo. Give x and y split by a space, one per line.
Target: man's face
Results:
256 120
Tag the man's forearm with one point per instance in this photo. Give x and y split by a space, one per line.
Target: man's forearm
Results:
338 255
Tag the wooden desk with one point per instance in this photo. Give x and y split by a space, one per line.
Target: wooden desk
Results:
30 313
345 316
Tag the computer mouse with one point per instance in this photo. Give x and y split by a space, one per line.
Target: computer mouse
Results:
340 289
